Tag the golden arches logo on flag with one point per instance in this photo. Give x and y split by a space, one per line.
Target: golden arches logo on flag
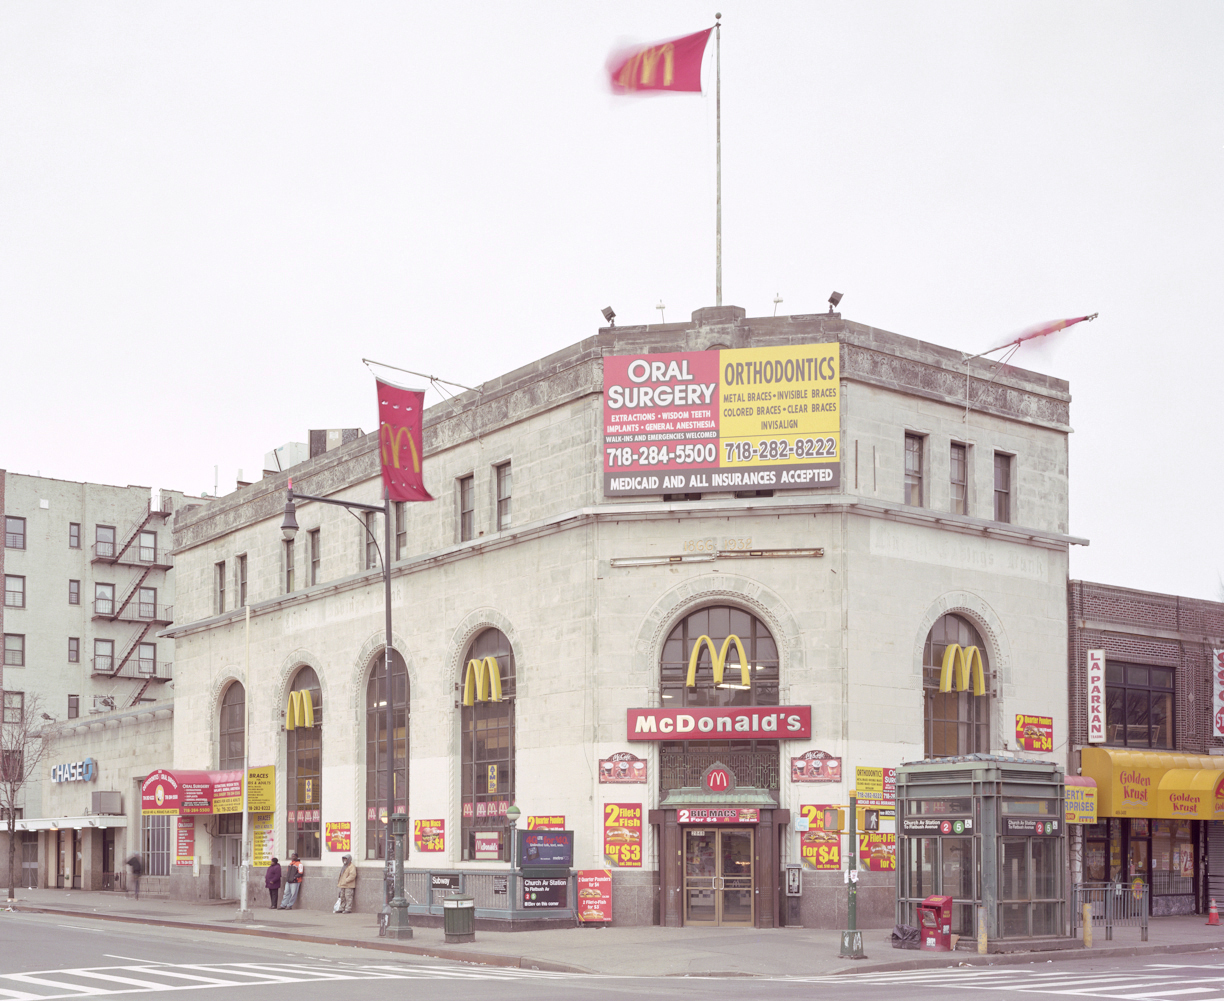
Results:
392 440
965 663
674 65
401 442
718 658
300 711
482 681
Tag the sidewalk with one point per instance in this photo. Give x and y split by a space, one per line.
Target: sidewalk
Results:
638 951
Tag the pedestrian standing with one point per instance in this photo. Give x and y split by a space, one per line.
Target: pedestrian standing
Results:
347 885
272 880
136 864
293 882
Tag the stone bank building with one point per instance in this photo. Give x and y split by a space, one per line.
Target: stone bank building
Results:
832 604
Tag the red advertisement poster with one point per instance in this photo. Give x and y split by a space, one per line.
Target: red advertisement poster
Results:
820 849
594 894
338 835
718 815
554 822
623 834
429 835
184 842
1034 733
878 852
816 766
622 767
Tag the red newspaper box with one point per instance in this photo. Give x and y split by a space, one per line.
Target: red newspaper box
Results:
935 924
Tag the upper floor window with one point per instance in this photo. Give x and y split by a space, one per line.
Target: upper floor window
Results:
376 750
219 587
401 529
14 591
146 658
74 649
371 541
14 650
104 540
74 536
467 508
104 656
104 599
288 544
315 557
74 592
959 478
487 735
956 721
242 581
1002 487
148 547
14 707
1138 705
504 487
913 470
232 727
74 706
14 533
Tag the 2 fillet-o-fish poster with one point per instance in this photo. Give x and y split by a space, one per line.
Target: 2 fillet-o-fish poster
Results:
764 418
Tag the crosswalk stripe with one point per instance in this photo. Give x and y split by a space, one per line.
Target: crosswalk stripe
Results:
31 978
1167 994
131 981
8 995
165 971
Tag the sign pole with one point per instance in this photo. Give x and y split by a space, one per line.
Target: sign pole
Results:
398 926
717 160
244 870
852 938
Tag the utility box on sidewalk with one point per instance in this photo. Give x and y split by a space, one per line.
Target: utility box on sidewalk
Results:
935 924
459 917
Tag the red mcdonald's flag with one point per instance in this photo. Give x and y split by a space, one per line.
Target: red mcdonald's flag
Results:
400 441
673 65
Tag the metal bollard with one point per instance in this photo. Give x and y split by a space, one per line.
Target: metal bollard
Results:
1087 926
981 929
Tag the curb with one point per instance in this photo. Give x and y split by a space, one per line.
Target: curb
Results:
455 955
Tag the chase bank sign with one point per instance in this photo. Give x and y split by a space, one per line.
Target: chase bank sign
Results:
75 771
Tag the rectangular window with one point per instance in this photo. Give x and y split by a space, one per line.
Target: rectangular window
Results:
104 656
219 587
288 566
146 602
371 541
104 540
242 580
504 485
74 706
960 479
14 533
74 650
1002 487
14 591
74 536
1138 705
74 592
467 508
14 650
104 599
148 547
314 557
155 836
146 658
14 707
401 529
913 470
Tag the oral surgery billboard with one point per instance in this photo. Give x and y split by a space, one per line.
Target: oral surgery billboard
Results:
711 421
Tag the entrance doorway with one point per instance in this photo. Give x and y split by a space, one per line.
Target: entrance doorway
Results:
230 847
719 878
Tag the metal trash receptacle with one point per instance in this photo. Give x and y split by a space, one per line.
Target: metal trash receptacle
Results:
459 917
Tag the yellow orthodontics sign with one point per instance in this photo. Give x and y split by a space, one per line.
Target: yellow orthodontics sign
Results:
482 682
965 663
718 658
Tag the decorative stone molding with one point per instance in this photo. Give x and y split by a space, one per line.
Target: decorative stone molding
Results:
289 667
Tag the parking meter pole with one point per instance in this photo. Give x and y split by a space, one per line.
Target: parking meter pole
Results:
397 926
852 938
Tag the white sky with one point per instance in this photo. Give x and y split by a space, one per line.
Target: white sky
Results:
211 211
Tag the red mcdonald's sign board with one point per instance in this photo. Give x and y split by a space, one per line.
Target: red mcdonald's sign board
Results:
695 723
400 441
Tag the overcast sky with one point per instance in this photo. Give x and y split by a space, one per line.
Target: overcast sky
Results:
209 212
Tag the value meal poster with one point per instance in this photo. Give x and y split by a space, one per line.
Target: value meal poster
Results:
878 852
820 849
732 419
429 835
551 822
623 834
338 835
594 894
1034 733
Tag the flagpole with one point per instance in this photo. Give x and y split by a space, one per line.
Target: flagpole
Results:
718 160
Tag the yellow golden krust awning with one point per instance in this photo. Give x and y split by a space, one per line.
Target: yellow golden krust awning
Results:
1155 783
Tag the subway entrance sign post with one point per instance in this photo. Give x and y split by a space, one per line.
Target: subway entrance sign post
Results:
852 938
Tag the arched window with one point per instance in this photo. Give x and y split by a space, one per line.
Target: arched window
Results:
376 750
755 762
488 745
304 792
954 722
233 705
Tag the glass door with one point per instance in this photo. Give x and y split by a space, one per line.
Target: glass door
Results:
718 877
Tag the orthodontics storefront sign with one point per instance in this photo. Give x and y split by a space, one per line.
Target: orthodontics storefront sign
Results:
692 723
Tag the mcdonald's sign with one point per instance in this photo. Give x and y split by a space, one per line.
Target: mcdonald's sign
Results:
718 658
482 682
962 662
300 711
400 441
674 65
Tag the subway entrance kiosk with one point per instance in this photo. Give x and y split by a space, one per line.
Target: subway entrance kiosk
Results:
719 853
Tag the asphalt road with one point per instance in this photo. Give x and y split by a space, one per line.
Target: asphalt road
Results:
45 956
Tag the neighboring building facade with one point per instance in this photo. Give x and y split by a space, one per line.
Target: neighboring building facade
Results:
948 526
1153 748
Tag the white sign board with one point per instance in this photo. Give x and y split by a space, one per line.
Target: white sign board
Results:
1096 696
1217 692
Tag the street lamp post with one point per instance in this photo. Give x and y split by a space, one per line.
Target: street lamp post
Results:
397 924
289 528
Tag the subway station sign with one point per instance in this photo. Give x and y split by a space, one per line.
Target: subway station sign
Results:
734 419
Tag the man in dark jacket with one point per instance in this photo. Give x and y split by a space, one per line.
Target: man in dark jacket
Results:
293 882
136 864
272 880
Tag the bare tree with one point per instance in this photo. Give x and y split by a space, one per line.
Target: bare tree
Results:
21 751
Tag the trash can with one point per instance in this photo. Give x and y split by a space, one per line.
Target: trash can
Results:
935 924
459 917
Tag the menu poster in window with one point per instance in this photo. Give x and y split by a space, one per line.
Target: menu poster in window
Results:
878 852
594 895
816 766
338 835
1217 688
429 835
184 842
820 849
1096 696
623 834
623 767
1034 733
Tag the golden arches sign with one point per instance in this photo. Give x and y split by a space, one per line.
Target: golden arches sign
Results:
300 711
964 662
640 70
392 441
482 682
718 658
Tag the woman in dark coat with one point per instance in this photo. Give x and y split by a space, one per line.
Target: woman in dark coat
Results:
272 880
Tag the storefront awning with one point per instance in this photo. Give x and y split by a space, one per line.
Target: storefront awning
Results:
1155 784
75 823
